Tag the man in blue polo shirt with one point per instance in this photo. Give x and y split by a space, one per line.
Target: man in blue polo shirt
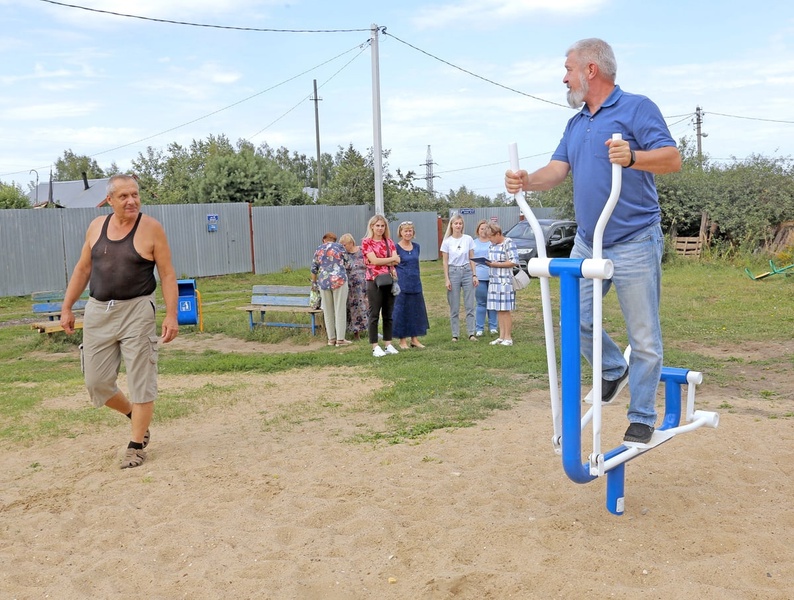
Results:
633 238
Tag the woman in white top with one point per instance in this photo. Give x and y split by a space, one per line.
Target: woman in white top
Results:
457 251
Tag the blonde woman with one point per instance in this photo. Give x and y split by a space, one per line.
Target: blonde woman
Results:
457 251
381 258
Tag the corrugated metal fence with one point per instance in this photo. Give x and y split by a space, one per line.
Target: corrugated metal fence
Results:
39 248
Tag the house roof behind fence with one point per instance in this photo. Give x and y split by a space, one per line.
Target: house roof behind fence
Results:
88 193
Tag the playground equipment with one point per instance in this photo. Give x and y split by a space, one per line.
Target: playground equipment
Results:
773 270
567 418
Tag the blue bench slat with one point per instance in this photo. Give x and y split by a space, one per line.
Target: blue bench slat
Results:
281 300
282 290
47 307
53 296
278 297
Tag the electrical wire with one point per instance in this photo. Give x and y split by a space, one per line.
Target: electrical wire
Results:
215 112
493 164
749 118
206 25
363 47
491 81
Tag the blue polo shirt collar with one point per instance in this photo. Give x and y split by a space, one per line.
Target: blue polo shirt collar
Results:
610 101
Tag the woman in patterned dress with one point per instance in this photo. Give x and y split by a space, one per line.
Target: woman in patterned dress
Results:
357 305
329 273
410 312
502 257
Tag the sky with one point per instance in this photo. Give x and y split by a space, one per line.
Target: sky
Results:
460 78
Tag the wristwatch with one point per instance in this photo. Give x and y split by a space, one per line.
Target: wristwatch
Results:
632 161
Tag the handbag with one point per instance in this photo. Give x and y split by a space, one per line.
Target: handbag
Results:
520 279
384 279
314 298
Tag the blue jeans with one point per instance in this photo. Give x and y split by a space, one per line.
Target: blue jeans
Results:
460 278
481 293
638 283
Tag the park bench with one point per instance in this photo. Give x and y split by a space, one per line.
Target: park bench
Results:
48 305
281 298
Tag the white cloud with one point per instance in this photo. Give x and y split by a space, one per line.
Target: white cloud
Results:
492 11
54 110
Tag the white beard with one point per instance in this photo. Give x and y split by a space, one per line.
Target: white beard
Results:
576 99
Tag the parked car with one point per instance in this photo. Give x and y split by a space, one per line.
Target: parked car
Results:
559 239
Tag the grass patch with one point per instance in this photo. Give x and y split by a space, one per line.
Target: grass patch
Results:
447 385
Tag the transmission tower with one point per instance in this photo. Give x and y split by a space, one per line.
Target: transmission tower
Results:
429 172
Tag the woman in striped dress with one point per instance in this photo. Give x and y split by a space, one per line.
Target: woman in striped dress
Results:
502 257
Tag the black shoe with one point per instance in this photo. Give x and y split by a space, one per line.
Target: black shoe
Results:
639 433
610 389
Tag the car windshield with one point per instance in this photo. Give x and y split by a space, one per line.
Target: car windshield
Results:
522 230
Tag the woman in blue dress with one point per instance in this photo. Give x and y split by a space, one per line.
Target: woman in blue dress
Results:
410 313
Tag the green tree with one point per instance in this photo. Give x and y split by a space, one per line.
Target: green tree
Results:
71 166
466 198
401 194
168 177
750 198
12 196
683 196
247 177
353 180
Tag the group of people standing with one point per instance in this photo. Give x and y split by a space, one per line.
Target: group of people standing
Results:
377 284
377 287
482 271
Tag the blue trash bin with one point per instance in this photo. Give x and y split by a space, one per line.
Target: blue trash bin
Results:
188 303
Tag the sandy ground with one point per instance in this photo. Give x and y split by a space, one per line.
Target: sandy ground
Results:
268 498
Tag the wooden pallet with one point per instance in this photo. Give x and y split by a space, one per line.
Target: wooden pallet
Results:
688 246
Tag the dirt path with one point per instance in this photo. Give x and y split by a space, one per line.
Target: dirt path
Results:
268 498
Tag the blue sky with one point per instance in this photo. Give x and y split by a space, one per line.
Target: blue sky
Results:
108 86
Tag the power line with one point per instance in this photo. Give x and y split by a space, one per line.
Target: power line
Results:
454 66
749 118
215 112
206 25
493 164
362 46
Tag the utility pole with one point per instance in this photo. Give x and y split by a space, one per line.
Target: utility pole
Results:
377 151
699 134
429 172
316 101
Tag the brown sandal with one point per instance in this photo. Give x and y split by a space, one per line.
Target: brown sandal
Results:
133 458
146 437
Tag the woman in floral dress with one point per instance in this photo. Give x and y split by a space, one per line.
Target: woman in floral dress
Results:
329 273
357 305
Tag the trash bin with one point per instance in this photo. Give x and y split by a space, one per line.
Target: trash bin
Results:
189 304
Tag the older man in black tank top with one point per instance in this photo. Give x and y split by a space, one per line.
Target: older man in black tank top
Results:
118 259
